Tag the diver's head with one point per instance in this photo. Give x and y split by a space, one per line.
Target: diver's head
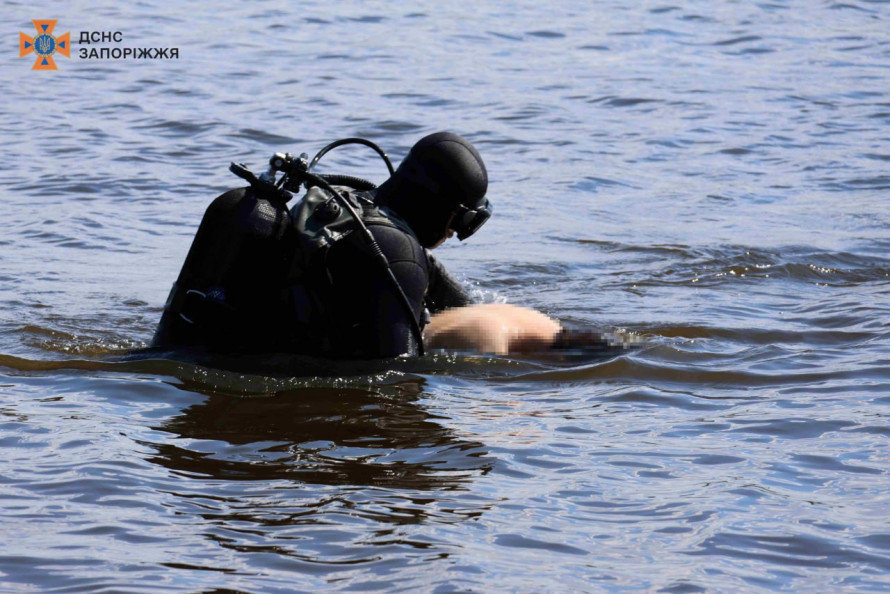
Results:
439 188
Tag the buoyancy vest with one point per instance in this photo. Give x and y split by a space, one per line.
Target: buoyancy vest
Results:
319 223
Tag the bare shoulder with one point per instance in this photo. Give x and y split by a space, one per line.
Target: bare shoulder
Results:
498 328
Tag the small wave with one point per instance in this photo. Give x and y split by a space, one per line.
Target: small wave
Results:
755 336
735 381
878 182
207 379
178 128
262 137
709 266
792 550
594 184
612 101
373 19
737 40
544 34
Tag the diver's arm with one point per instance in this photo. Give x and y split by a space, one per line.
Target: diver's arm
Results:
376 321
392 327
444 291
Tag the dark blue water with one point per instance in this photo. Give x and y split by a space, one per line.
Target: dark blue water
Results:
712 176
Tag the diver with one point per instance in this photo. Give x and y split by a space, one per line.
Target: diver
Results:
438 190
347 273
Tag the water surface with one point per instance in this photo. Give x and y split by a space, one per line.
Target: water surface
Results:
713 176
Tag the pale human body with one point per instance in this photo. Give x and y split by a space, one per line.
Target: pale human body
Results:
497 328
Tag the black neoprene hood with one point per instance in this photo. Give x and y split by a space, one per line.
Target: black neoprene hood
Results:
440 173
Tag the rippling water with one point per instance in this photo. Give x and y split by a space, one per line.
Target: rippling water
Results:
711 175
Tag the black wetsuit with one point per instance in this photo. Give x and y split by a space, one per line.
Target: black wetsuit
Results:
235 295
364 316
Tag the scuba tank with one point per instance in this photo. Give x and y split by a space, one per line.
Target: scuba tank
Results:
228 296
243 286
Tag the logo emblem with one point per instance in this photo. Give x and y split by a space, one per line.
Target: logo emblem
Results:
44 45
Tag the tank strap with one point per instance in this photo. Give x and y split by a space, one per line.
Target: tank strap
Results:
197 308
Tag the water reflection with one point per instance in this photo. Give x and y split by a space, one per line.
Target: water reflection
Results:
373 436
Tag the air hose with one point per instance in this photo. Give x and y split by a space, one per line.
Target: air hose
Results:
376 253
297 171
